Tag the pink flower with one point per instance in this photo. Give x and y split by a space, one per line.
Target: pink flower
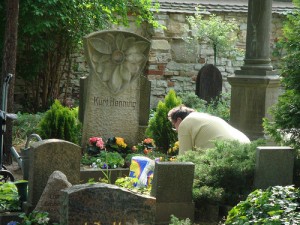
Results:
100 143
93 140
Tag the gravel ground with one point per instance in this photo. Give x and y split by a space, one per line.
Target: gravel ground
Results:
15 170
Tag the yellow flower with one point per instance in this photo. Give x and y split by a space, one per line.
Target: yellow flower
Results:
120 142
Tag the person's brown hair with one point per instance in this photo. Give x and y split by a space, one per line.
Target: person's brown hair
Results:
179 112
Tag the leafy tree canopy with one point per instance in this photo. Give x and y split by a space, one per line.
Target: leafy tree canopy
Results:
50 31
215 31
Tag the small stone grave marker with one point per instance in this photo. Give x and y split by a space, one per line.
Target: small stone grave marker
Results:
45 157
274 166
172 186
49 201
105 204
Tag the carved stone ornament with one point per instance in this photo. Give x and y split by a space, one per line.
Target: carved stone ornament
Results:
117 57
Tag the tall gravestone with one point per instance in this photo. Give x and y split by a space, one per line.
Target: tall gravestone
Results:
89 204
115 97
45 157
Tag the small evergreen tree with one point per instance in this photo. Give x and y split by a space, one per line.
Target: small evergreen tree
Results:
60 122
160 128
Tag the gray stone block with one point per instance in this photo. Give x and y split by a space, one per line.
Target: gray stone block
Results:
274 166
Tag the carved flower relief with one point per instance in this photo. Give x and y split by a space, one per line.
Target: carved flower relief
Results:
117 59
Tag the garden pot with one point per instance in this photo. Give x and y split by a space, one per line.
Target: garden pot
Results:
22 189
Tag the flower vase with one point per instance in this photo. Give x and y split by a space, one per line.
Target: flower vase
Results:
22 189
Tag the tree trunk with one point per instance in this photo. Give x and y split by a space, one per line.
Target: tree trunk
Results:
9 66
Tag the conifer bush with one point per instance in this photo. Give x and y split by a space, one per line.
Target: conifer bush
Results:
224 174
160 128
60 122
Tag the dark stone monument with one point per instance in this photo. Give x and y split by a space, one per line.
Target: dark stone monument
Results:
274 166
209 83
105 204
172 186
45 157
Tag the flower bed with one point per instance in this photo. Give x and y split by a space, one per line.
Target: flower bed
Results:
115 153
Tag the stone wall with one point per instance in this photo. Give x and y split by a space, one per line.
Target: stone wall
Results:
171 64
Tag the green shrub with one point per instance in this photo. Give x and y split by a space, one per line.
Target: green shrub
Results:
160 128
285 124
191 100
25 125
9 198
223 174
219 107
276 205
176 221
60 122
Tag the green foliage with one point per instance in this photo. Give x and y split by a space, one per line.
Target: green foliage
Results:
191 100
160 128
276 205
219 107
103 160
223 174
35 217
60 122
131 184
25 125
176 221
50 31
9 198
215 31
284 127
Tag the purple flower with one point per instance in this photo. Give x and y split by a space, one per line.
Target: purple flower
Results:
13 223
104 166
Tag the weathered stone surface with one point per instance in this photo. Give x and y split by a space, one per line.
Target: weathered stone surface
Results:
274 166
160 45
172 186
47 156
114 90
49 201
105 204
